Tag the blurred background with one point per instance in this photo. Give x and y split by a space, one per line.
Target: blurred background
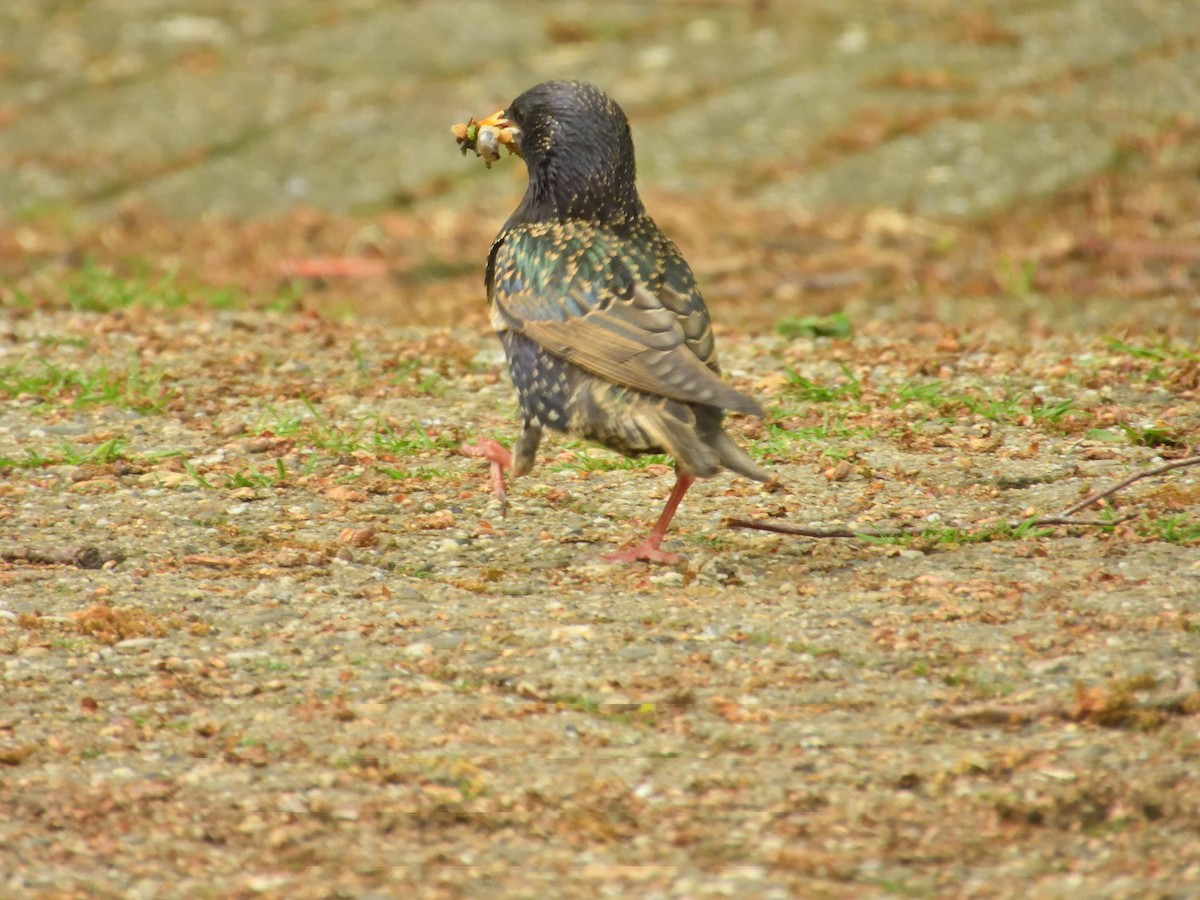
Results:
1034 160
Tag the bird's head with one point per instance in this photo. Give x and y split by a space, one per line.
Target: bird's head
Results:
577 147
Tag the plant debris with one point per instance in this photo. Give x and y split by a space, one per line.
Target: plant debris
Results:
484 139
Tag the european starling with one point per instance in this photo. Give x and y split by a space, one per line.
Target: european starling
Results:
606 334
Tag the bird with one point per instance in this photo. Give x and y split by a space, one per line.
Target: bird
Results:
603 325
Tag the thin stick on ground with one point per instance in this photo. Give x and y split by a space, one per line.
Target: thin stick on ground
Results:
911 530
1065 518
1050 521
1107 706
80 557
801 531
1124 483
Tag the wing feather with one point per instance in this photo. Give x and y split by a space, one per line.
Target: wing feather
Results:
658 342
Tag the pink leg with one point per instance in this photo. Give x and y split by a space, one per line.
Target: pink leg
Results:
649 548
501 459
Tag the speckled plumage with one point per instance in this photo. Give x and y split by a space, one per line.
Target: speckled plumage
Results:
605 331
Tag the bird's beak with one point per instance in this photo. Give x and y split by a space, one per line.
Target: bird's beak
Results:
509 134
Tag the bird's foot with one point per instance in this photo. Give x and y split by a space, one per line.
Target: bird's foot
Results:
648 551
501 459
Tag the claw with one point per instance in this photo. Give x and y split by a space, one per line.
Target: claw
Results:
647 551
501 459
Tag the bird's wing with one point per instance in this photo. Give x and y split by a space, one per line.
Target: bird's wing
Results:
568 289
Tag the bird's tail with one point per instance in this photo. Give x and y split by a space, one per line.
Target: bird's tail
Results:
703 447
735 458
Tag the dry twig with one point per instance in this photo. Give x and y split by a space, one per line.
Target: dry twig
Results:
903 530
1001 714
81 557
1065 518
1100 706
800 531
1136 476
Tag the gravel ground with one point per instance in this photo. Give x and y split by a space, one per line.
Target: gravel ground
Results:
264 633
